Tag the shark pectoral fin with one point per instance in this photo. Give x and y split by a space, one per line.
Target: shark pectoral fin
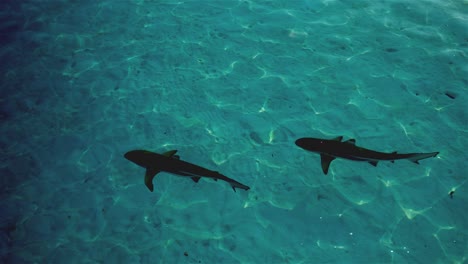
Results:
169 153
326 160
351 141
373 163
149 175
195 179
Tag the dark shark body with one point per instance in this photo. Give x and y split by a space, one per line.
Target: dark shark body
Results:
169 162
336 148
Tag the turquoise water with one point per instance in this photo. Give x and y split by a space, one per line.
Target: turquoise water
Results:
231 85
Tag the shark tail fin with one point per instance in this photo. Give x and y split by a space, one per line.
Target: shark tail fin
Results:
419 156
235 184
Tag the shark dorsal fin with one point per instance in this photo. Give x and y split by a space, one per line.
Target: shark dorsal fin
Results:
337 138
326 160
149 175
169 153
351 141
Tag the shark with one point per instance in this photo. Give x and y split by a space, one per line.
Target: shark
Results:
171 163
330 149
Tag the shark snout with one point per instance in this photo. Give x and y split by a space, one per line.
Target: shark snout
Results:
139 157
302 142
130 155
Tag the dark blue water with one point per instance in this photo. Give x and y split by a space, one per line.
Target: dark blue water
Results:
231 85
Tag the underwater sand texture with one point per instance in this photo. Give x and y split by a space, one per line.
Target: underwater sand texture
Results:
231 85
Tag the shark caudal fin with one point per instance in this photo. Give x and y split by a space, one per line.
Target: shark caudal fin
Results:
235 184
419 156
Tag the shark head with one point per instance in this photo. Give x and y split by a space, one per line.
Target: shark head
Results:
148 159
312 144
142 158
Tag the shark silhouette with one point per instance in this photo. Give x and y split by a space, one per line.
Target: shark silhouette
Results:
336 148
171 163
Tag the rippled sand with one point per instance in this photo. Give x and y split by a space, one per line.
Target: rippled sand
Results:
231 85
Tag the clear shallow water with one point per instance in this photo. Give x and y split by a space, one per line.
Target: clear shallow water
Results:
231 85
